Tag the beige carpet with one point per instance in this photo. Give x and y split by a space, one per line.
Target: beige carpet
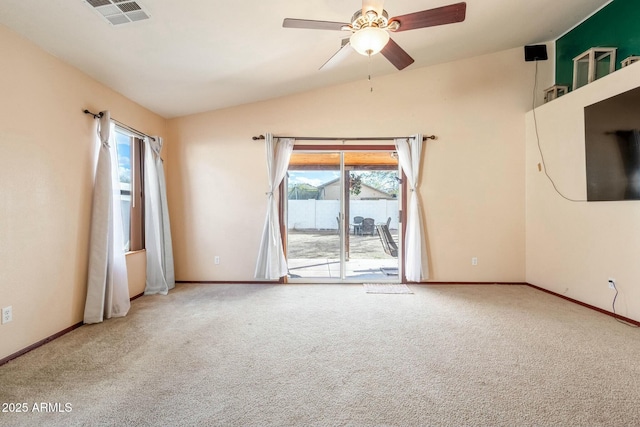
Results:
332 355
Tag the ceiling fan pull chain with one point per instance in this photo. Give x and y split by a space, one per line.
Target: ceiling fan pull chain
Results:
370 81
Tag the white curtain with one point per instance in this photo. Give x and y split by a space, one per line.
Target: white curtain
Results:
160 273
409 154
272 263
108 286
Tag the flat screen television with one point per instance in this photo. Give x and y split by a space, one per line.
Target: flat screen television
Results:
612 147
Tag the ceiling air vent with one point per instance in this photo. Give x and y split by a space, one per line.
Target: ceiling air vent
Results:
118 12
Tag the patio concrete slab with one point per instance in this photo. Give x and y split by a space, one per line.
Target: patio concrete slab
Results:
329 268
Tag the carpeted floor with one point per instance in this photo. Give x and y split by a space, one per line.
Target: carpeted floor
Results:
333 355
386 288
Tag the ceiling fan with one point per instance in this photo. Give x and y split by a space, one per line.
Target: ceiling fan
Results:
370 28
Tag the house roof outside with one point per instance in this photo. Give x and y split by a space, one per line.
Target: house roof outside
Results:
335 182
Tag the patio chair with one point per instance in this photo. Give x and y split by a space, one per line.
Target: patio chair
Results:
368 226
390 247
357 224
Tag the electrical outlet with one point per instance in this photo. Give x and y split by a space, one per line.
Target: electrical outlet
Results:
474 261
216 260
7 314
612 283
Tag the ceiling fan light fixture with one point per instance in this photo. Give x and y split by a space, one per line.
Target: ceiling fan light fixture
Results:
369 40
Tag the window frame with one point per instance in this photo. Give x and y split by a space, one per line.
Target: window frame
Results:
136 215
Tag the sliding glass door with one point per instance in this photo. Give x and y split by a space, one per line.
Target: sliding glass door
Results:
342 216
372 206
314 221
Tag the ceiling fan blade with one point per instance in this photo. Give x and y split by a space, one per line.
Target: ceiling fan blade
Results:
337 57
396 55
432 17
313 25
377 5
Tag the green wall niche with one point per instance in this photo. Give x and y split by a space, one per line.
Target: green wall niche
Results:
615 25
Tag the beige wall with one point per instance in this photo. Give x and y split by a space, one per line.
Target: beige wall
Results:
47 157
473 185
573 248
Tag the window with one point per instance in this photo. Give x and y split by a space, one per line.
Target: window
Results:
130 168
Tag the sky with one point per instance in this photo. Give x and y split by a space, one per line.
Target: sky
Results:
124 156
314 178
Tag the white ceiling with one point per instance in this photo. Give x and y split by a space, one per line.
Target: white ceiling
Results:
200 55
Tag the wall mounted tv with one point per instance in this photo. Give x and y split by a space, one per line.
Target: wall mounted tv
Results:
612 148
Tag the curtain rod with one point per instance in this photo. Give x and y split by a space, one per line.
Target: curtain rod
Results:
129 128
324 138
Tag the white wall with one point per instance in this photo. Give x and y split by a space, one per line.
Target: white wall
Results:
574 247
321 214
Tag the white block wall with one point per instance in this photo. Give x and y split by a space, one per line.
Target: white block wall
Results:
321 214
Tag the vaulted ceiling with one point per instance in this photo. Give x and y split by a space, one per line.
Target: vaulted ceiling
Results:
199 55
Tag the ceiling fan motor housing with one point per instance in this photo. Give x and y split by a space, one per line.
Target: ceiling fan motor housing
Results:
369 19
